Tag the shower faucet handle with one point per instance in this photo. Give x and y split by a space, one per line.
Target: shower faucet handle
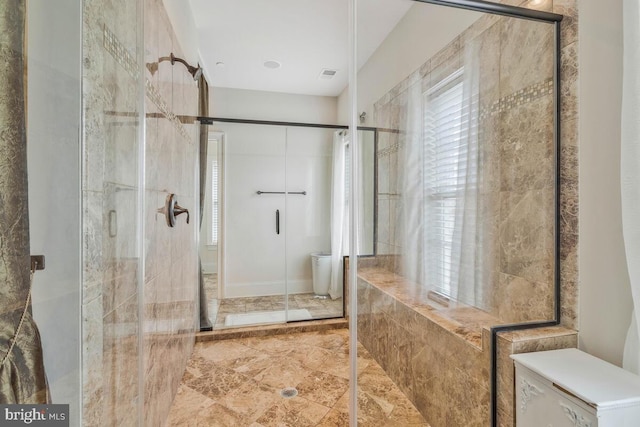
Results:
178 210
172 209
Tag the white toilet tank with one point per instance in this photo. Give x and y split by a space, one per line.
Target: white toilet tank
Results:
321 272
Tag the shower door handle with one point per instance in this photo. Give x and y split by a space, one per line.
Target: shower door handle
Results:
277 221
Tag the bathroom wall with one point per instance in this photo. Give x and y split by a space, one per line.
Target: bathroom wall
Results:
441 354
401 339
139 276
171 254
274 158
185 29
515 167
569 115
394 60
604 281
273 106
259 105
248 104
53 144
432 366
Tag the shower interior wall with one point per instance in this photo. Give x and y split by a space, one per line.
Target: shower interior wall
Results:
383 76
139 284
521 287
249 149
274 158
302 146
516 158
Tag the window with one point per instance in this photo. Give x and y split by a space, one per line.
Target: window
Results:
213 235
445 178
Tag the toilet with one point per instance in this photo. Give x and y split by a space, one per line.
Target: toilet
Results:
321 273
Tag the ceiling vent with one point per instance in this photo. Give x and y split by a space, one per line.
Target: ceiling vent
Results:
327 74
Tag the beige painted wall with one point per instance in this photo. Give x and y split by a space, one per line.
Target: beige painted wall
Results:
605 295
185 29
394 59
260 105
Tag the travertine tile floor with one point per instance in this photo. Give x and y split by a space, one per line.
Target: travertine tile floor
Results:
238 382
219 309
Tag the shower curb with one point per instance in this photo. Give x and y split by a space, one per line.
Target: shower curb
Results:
269 330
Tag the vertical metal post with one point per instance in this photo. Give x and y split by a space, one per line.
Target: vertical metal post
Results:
140 217
353 218
557 110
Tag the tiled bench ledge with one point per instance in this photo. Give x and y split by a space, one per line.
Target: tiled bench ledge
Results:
460 320
438 355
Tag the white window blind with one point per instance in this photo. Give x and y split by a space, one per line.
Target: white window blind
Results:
446 148
214 203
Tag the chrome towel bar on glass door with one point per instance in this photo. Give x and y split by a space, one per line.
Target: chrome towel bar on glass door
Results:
304 193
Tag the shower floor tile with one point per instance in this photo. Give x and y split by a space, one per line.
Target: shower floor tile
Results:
238 383
219 309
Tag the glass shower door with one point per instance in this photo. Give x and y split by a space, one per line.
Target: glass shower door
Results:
309 158
254 273
276 239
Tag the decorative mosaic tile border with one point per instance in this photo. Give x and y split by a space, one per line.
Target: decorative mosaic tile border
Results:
515 100
393 148
519 98
123 57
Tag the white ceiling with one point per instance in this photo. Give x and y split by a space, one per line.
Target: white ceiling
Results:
305 36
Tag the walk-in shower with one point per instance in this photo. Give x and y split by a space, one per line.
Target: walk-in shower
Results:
435 159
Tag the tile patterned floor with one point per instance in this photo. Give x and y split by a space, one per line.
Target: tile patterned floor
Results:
237 383
219 309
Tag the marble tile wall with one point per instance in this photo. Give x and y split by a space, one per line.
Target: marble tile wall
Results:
431 365
434 357
436 360
171 253
138 294
110 318
524 342
445 377
516 186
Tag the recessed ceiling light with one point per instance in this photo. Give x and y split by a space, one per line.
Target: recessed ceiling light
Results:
220 64
271 64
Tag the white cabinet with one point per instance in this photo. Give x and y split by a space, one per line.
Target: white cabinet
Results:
570 388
